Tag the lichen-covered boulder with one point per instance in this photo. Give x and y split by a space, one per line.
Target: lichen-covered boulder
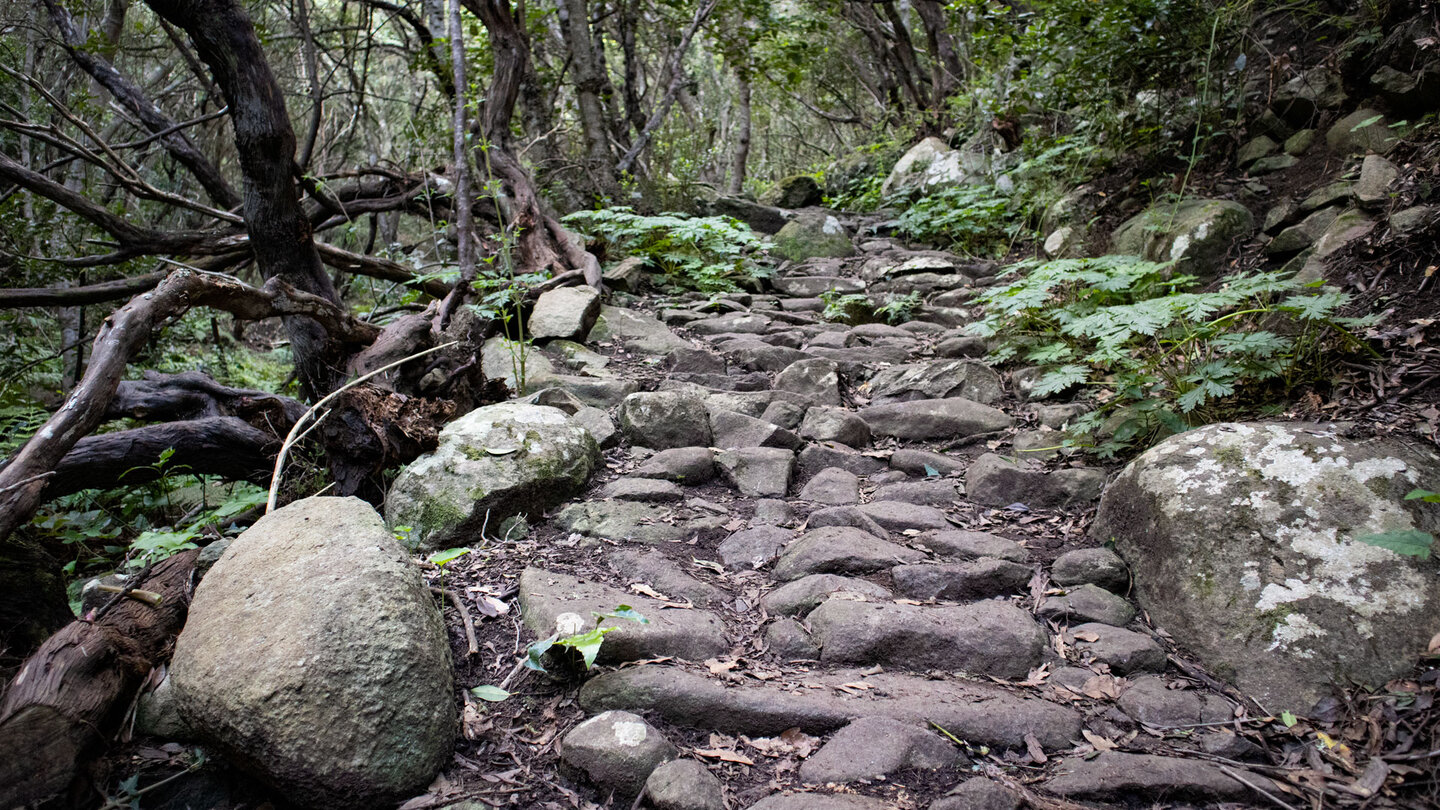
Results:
1195 234
813 235
1262 549
315 657
932 164
795 191
492 463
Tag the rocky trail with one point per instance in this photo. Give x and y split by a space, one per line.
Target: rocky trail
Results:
821 565
862 557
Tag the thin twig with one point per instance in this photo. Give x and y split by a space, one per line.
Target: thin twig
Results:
470 640
19 484
1233 774
291 438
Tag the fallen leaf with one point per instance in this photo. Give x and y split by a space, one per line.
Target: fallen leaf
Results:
718 667
1101 687
1032 747
1435 644
1086 635
1100 743
645 590
724 755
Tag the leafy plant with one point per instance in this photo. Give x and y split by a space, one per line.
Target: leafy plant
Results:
1409 542
705 253
1161 356
971 219
584 643
855 308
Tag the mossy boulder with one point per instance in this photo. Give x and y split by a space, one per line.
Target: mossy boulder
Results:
492 463
315 658
795 191
1197 235
813 235
1261 549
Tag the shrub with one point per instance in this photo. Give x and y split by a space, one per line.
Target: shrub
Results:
1160 356
705 253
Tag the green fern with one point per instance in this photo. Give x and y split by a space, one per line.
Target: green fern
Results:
1161 356
706 253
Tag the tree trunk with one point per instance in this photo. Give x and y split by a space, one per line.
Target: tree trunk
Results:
590 82
460 155
948 71
675 69
280 234
72 695
742 131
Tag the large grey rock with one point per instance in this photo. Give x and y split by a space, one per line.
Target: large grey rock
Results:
1196 234
645 490
936 380
795 191
663 420
621 521
979 793
801 596
636 332
812 235
940 492
690 634
1349 225
818 456
1114 775
1095 566
967 545
686 465
813 286
1151 701
959 582
684 784
315 656
994 480
835 425
753 548
832 486
925 463
1362 131
875 747
617 751
523 367
763 218
816 379
492 463
898 516
934 419
973 711
1372 190
566 314
983 638
655 569
932 164
1304 233
819 801
1087 603
757 471
1124 651
841 550
732 430
1246 541
1299 100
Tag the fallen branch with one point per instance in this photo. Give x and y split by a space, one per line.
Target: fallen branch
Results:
71 695
472 643
19 298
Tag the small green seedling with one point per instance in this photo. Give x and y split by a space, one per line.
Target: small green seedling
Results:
586 643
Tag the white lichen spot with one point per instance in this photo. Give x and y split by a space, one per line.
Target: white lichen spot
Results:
1179 246
1250 579
628 732
1294 628
832 226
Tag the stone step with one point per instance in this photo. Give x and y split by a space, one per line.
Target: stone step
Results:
819 702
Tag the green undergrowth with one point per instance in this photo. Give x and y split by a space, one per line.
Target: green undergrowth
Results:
709 254
857 308
1158 354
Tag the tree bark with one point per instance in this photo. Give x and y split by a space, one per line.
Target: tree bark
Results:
280 235
72 695
460 155
742 130
948 71
590 82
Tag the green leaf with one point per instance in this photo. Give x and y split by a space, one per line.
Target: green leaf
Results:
536 651
931 472
1423 495
623 612
1060 379
494 694
587 644
1367 122
1409 543
449 555
1288 719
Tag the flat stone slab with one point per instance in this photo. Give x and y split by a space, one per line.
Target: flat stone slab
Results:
977 712
1088 603
820 801
753 548
958 582
1117 775
1125 651
832 486
622 521
654 490
967 545
757 471
984 638
690 634
897 516
874 747
934 419
803 595
841 550
653 568
932 492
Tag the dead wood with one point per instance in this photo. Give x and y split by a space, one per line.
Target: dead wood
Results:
72 695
